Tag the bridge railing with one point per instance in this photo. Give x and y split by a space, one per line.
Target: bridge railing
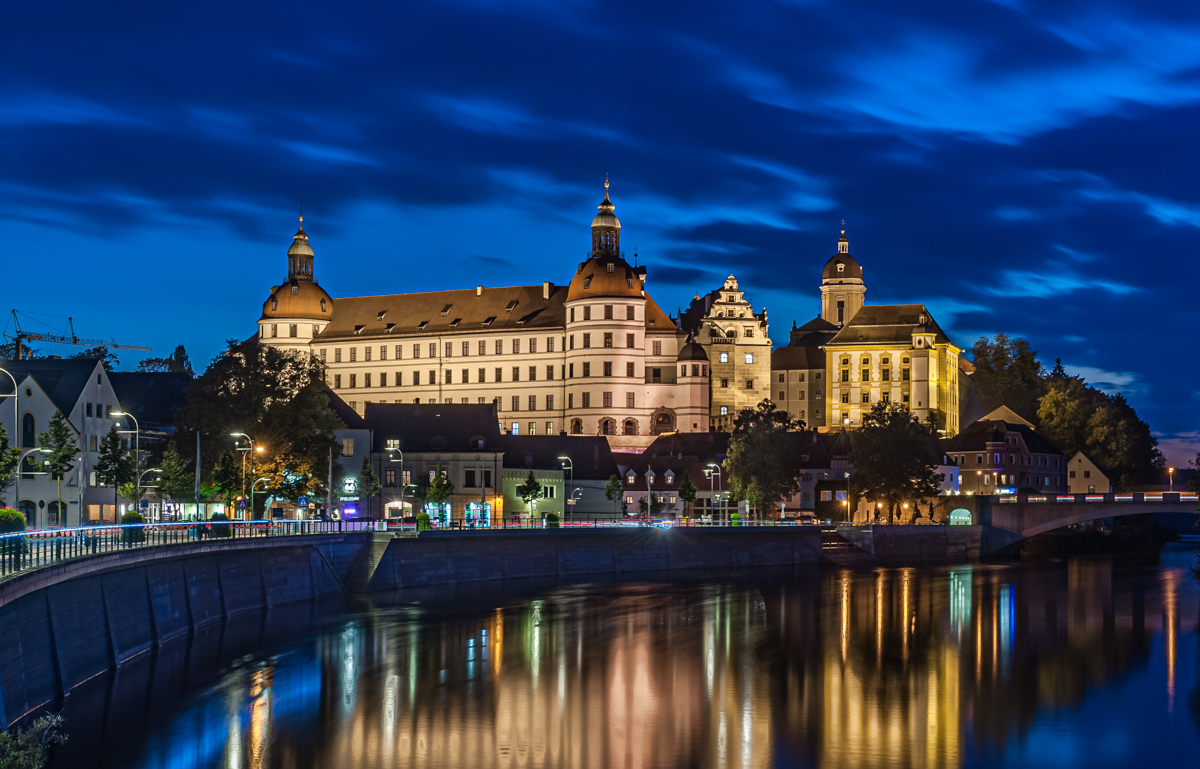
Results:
1137 496
28 550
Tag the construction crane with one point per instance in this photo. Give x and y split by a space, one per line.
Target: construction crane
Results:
20 337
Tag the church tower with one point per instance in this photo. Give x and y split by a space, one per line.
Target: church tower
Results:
299 309
843 292
606 230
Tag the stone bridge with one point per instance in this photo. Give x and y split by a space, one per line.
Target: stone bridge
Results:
1008 519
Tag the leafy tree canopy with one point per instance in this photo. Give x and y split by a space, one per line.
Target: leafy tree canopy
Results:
111 362
59 449
763 462
440 487
176 361
893 456
530 491
1008 373
9 456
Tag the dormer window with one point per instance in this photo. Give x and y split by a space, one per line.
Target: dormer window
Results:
489 321
322 305
421 326
610 266
358 329
454 323
389 327
511 306
446 310
587 282
630 478
295 288
382 314
629 282
841 268
275 304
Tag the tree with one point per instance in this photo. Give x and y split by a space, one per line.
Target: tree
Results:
114 467
1008 373
226 478
613 490
289 476
9 458
100 353
177 481
530 491
687 491
1075 416
277 396
763 463
176 361
439 487
30 747
892 456
59 450
1194 481
368 483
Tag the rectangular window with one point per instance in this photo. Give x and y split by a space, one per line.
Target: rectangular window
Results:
432 377
516 403
587 400
607 368
571 341
449 377
845 396
550 371
466 376
781 378
516 428
587 340
549 428
607 399
416 378
353 379
549 344
533 373
482 375
629 341
904 374
549 407
347 447
629 312
433 349
532 404
749 384
337 355
416 351
724 383
389 477
499 346
274 329
608 339
466 349
570 400
845 375
886 375
657 348
516 346
571 371
399 352
366 380
353 354
866 375
587 313
469 479
629 368
723 357
656 374
886 398
483 347
293 330
532 345
366 353
516 373
749 358
629 400
866 397
323 351
608 312
587 368
572 314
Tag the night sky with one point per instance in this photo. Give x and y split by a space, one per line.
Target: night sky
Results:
1019 169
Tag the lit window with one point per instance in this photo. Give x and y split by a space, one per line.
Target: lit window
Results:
724 357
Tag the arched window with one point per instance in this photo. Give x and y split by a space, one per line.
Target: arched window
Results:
664 423
608 427
630 427
28 509
28 431
322 305
576 427
55 515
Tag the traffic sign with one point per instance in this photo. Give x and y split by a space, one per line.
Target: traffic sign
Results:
145 503
242 504
302 502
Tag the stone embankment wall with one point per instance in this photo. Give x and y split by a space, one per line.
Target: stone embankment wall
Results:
443 558
917 544
63 624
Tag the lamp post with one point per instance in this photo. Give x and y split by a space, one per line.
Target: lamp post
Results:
252 485
711 491
245 451
20 469
1171 478
137 450
570 468
401 461
143 475
716 470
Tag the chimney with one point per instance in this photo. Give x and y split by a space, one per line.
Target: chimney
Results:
546 289
479 291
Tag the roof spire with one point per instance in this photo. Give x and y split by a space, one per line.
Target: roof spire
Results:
843 243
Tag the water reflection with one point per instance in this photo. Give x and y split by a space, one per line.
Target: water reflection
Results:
887 668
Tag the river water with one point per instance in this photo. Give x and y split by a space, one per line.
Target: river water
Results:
1085 662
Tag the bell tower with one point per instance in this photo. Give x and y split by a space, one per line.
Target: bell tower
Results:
606 230
300 257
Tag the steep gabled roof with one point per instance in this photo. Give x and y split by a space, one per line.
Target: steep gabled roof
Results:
62 380
152 397
816 332
976 436
427 427
787 358
591 455
888 324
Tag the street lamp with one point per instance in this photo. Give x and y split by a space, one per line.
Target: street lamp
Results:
716 470
1171 477
245 451
402 484
16 396
570 467
252 486
143 475
137 449
20 469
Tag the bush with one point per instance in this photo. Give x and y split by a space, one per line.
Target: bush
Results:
30 748
551 520
132 535
11 521
423 523
220 529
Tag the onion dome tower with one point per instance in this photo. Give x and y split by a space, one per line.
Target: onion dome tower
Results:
299 309
843 292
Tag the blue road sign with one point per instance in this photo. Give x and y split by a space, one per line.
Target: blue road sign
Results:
302 502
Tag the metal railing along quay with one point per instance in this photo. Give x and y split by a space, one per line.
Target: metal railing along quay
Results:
28 550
